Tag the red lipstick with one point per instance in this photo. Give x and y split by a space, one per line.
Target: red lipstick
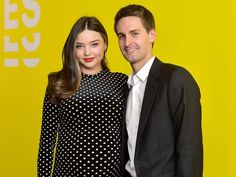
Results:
88 59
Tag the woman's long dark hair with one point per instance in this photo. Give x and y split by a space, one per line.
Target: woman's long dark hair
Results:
66 82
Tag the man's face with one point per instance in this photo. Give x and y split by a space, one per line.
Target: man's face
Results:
134 41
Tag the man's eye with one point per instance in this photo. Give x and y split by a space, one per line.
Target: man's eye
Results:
134 34
121 36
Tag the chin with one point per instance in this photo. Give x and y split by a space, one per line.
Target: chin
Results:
131 59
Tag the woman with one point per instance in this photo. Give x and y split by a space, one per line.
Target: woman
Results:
83 109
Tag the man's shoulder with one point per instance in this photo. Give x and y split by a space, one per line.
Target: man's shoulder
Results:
178 76
171 71
170 68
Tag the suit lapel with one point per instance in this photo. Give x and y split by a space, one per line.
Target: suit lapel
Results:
149 96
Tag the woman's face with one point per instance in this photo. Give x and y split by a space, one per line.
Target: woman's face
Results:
90 50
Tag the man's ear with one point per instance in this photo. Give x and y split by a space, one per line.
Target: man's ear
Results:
152 35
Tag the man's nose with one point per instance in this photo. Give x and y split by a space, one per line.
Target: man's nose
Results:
128 40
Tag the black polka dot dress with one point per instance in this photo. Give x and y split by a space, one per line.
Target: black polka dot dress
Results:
85 129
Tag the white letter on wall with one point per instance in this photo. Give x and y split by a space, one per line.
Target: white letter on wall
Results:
31 5
8 8
31 62
8 46
31 46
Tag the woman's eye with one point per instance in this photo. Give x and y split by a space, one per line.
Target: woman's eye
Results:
94 44
78 46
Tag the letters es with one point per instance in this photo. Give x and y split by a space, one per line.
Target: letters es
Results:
13 24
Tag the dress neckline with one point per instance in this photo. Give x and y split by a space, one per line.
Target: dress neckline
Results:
94 75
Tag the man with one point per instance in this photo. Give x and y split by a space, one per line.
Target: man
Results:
163 136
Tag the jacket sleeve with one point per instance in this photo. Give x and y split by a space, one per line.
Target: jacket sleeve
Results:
185 106
50 121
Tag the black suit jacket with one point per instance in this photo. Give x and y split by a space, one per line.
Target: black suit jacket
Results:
169 140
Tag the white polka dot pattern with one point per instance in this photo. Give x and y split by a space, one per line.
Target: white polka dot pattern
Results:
85 128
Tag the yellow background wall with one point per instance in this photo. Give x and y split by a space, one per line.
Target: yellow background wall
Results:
199 35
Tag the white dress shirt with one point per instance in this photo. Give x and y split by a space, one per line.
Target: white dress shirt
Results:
137 83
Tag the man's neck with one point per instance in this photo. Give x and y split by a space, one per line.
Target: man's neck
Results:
136 66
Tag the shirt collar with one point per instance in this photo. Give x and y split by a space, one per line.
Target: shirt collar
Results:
142 74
